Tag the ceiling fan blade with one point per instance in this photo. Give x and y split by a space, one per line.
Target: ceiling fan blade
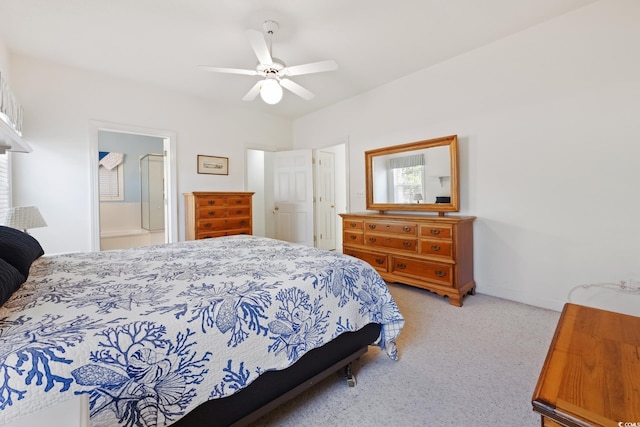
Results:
297 89
259 45
313 67
253 92
229 70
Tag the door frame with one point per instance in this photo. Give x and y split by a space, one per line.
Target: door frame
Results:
344 140
169 143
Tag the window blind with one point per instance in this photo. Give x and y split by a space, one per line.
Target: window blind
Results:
111 183
5 192
406 161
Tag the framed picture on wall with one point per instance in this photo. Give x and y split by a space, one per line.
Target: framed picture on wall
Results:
213 165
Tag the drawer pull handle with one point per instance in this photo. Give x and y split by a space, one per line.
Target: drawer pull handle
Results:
212 213
440 273
434 231
353 224
388 227
406 244
406 229
435 248
243 222
401 266
211 202
379 261
353 237
372 226
208 224
238 202
372 239
239 211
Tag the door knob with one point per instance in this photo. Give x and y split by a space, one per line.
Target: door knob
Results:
277 208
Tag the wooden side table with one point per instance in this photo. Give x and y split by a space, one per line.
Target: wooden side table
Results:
591 376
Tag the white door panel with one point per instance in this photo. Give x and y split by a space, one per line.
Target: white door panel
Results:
293 199
325 201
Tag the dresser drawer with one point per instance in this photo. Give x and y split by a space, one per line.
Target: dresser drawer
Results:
441 248
238 201
389 241
434 272
238 211
352 224
378 261
208 224
212 234
391 227
233 223
440 231
349 237
202 201
212 212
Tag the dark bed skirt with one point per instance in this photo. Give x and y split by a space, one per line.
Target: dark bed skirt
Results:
276 387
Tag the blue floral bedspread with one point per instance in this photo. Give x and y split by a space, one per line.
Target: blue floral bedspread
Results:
150 333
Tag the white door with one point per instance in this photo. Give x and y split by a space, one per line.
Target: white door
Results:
325 201
293 196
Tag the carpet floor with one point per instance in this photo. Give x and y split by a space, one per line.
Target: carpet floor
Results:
471 366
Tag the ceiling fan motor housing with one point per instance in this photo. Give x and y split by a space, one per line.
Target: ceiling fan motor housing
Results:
275 67
270 27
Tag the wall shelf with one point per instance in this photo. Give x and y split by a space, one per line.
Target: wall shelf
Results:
11 141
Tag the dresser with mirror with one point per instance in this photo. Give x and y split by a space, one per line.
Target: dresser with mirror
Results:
408 234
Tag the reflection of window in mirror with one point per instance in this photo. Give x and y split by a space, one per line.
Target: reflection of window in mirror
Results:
407 182
406 177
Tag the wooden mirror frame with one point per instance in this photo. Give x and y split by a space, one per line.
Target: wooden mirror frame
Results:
441 208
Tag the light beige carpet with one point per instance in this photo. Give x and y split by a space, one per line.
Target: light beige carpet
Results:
471 366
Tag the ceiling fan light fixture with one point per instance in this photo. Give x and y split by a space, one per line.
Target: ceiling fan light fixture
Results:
271 91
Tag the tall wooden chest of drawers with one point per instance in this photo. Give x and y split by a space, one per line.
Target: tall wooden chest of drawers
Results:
215 214
430 252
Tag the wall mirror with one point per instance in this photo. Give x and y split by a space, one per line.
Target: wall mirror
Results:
420 176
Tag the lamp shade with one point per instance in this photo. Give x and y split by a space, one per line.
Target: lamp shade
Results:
24 218
271 91
417 197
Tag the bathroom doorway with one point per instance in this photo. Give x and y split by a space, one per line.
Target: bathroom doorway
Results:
134 186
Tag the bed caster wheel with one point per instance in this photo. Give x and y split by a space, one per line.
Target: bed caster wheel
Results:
351 379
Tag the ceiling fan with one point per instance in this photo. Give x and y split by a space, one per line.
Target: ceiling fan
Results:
274 70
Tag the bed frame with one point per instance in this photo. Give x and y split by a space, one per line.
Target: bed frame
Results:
274 388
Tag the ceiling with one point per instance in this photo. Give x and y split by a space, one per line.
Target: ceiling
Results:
162 42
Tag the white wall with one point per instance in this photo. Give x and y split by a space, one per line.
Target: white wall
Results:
59 104
549 132
4 61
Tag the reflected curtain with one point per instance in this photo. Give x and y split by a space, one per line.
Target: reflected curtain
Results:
406 161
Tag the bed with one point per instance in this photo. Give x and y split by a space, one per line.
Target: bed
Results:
206 332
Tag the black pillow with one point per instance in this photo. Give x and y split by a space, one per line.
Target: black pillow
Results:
10 280
19 249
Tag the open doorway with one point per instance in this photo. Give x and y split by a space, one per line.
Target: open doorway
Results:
260 179
131 190
137 204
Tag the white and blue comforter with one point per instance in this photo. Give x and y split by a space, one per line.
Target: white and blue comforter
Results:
150 333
